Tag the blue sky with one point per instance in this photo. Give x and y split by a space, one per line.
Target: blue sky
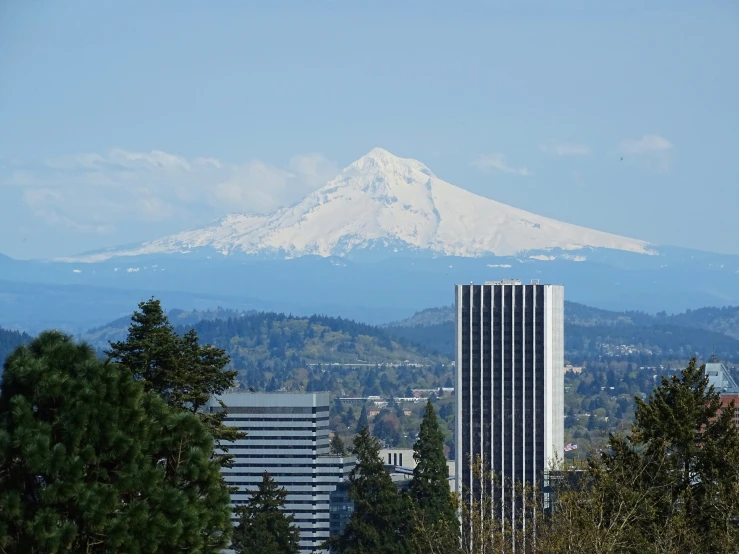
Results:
124 121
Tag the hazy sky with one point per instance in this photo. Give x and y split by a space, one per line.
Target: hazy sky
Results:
124 121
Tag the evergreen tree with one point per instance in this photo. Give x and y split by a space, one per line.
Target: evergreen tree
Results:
697 443
91 463
337 445
183 372
429 488
379 523
263 527
363 419
672 486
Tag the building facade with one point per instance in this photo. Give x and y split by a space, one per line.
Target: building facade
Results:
403 457
719 377
287 436
510 384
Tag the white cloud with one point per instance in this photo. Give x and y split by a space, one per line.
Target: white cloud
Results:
653 150
497 161
92 192
565 149
645 145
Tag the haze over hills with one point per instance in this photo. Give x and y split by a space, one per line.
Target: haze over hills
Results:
383 202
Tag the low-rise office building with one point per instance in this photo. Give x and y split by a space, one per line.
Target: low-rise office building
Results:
403 457
287 436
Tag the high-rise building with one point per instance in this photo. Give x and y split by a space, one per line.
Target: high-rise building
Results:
509 389
287 436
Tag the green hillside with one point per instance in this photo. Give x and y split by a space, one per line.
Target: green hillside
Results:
720 320
116 330
270 350
619 354
595 334
9 341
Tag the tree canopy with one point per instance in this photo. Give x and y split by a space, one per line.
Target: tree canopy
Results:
178 368
379 523
429 489
89 462
263 527
671 486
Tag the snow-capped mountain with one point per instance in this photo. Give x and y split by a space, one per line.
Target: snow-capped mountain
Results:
383 202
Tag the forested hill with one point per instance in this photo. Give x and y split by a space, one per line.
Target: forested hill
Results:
116 330
593 334
267 345
719 320
9 341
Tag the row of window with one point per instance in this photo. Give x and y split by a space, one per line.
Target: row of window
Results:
271 409
306 420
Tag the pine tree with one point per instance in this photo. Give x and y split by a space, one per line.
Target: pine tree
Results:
683 419
672 486
432 499
379 523
91 463
363 421
263 527
337 445
183 372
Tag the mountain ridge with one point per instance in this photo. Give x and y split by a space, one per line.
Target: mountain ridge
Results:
382 202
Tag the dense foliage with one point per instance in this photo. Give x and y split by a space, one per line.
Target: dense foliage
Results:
379 523
263 527
671 486
429 490
389 519
269 349
180 370
9 341
89 462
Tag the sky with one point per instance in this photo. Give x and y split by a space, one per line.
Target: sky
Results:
125 121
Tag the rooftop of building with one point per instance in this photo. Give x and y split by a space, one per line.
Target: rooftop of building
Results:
513 282
244 397
719 377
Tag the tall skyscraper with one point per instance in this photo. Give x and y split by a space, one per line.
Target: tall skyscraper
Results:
510 375
287 436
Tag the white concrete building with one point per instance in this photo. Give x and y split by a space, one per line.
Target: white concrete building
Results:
287 436
403 457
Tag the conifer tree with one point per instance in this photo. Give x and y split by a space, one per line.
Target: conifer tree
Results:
91 463
337 445
263 527
183 372
683 419
363 420
432 499
379 523
672 486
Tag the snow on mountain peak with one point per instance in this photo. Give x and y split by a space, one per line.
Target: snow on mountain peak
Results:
380 159
382 201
